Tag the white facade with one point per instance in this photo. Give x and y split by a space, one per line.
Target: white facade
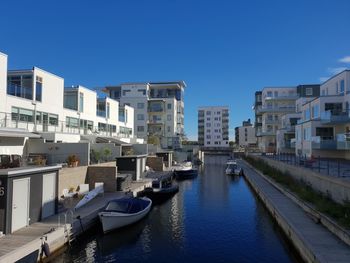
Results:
213 126
36 101
276 102
246 136
324 129
158 109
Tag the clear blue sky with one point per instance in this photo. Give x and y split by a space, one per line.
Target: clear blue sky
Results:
223 50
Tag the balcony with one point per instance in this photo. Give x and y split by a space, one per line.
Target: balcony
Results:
265 133
329 117
271 121
287 97
323 143
343 141
276 109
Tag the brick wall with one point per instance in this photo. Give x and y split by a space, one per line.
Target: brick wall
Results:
103 174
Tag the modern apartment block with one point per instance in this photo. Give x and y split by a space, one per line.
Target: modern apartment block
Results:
213 126
285 136
324 127
245 134
277 102
35 100
159 109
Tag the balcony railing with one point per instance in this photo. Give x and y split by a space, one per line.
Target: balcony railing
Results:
323 143
343 141
335 117
276 109
265 133
7 120
286 97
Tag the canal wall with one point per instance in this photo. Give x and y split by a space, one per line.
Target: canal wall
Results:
296 224
336 188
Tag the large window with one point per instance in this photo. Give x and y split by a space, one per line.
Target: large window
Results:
81 102
140 128
72 122
20 86
23 115
315 111
38 88
70 100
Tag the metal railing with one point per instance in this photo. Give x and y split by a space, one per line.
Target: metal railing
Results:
335 117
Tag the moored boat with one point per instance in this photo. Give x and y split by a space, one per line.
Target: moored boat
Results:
232 168
124 211
162 189
184 171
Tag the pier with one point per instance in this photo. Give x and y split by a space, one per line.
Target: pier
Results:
313 241
58 229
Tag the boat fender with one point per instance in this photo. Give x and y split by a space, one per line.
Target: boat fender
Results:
45 247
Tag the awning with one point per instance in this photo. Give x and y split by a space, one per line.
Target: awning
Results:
104 139
17 133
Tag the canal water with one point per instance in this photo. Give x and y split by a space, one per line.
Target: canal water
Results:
213 218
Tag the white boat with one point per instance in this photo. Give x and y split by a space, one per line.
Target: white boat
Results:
184 171
233 169
89 196
124 211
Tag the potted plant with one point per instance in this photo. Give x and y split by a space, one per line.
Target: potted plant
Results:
72 160
107 153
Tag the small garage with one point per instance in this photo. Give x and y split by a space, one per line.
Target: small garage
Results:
133 164
27 195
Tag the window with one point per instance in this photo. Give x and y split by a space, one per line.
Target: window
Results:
143 91
20 86
140 128
218 112
169 106
72 122
168 117
308 91
315 111
81 102
208 124
140 105
168 128
269 94
53 119
140 117
108 109
342 84
307 114
208 113
208 137
125 92
208 131
38 88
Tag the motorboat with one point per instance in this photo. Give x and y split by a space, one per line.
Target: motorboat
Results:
232 168
184 171
162 189
123 212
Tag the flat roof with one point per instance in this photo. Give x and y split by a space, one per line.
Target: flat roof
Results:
11 172
131 156
32 70
17 133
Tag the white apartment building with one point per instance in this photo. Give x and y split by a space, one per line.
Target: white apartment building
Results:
275 102
158 109
35 100
245 135
324 128
213 126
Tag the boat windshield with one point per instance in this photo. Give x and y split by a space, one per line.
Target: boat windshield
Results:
118 206
232 166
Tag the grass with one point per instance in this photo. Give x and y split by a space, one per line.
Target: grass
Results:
322 203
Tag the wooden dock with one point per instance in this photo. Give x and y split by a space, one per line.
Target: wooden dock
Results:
58 229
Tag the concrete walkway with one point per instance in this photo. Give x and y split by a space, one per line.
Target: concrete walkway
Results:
321 245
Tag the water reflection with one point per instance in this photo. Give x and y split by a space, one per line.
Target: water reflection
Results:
213 217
